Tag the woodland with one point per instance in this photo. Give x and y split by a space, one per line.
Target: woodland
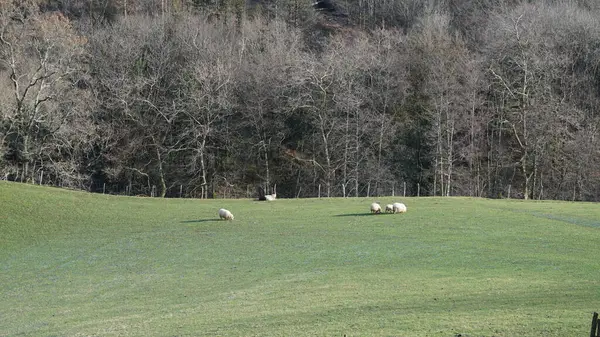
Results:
339 98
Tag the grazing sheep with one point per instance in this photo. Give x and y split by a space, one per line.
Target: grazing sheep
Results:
267 197
399 207
375 208
389 208
225 214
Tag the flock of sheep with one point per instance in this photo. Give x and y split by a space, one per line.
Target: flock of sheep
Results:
397 207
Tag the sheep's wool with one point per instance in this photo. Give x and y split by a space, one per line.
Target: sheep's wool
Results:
225 214
399 207
375 208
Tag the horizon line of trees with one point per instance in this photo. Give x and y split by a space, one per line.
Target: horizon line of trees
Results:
201 98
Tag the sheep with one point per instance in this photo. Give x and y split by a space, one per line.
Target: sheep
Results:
225 214
375 208
399 207
267 197
389 208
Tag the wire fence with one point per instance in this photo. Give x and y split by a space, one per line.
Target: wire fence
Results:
250 191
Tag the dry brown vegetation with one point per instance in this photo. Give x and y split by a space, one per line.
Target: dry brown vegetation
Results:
198 98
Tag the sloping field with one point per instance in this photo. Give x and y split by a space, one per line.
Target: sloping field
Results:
80 264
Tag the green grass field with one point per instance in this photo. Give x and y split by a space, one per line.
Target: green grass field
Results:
80 264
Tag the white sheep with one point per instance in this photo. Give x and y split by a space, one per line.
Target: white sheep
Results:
375 208
270 197
399 207
389 208
225 214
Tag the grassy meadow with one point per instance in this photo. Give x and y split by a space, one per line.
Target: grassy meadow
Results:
81 264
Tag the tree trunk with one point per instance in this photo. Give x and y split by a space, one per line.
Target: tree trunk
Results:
345 167
204 194
435 176
450 138
161 174
325 136
525 175
267 173
357 153
472 151
439 169
379 151
26 158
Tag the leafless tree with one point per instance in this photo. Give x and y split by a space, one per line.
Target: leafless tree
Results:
529 69
209 85
445 58
139 86
41 57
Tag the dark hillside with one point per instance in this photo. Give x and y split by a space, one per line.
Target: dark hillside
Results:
207 98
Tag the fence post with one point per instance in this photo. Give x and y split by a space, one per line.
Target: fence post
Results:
393 185
103 188
418 190
594 331
41 176
181 191
319 190
404 195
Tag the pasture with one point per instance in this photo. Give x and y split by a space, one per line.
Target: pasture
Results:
80 264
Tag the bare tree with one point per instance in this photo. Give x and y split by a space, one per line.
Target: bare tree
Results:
444 57
139 86
268 84
209 84
526 65
41 61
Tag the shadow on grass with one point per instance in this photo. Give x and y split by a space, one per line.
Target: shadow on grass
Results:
200 220
566 219
360 214
570 220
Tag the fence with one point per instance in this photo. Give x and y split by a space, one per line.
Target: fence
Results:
249 191
211 191
229 191
595 332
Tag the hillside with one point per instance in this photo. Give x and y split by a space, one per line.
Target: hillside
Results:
74 263
205 99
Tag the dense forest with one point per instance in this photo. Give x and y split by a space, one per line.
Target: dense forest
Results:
221 98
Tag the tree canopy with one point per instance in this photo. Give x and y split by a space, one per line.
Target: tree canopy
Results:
202 98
